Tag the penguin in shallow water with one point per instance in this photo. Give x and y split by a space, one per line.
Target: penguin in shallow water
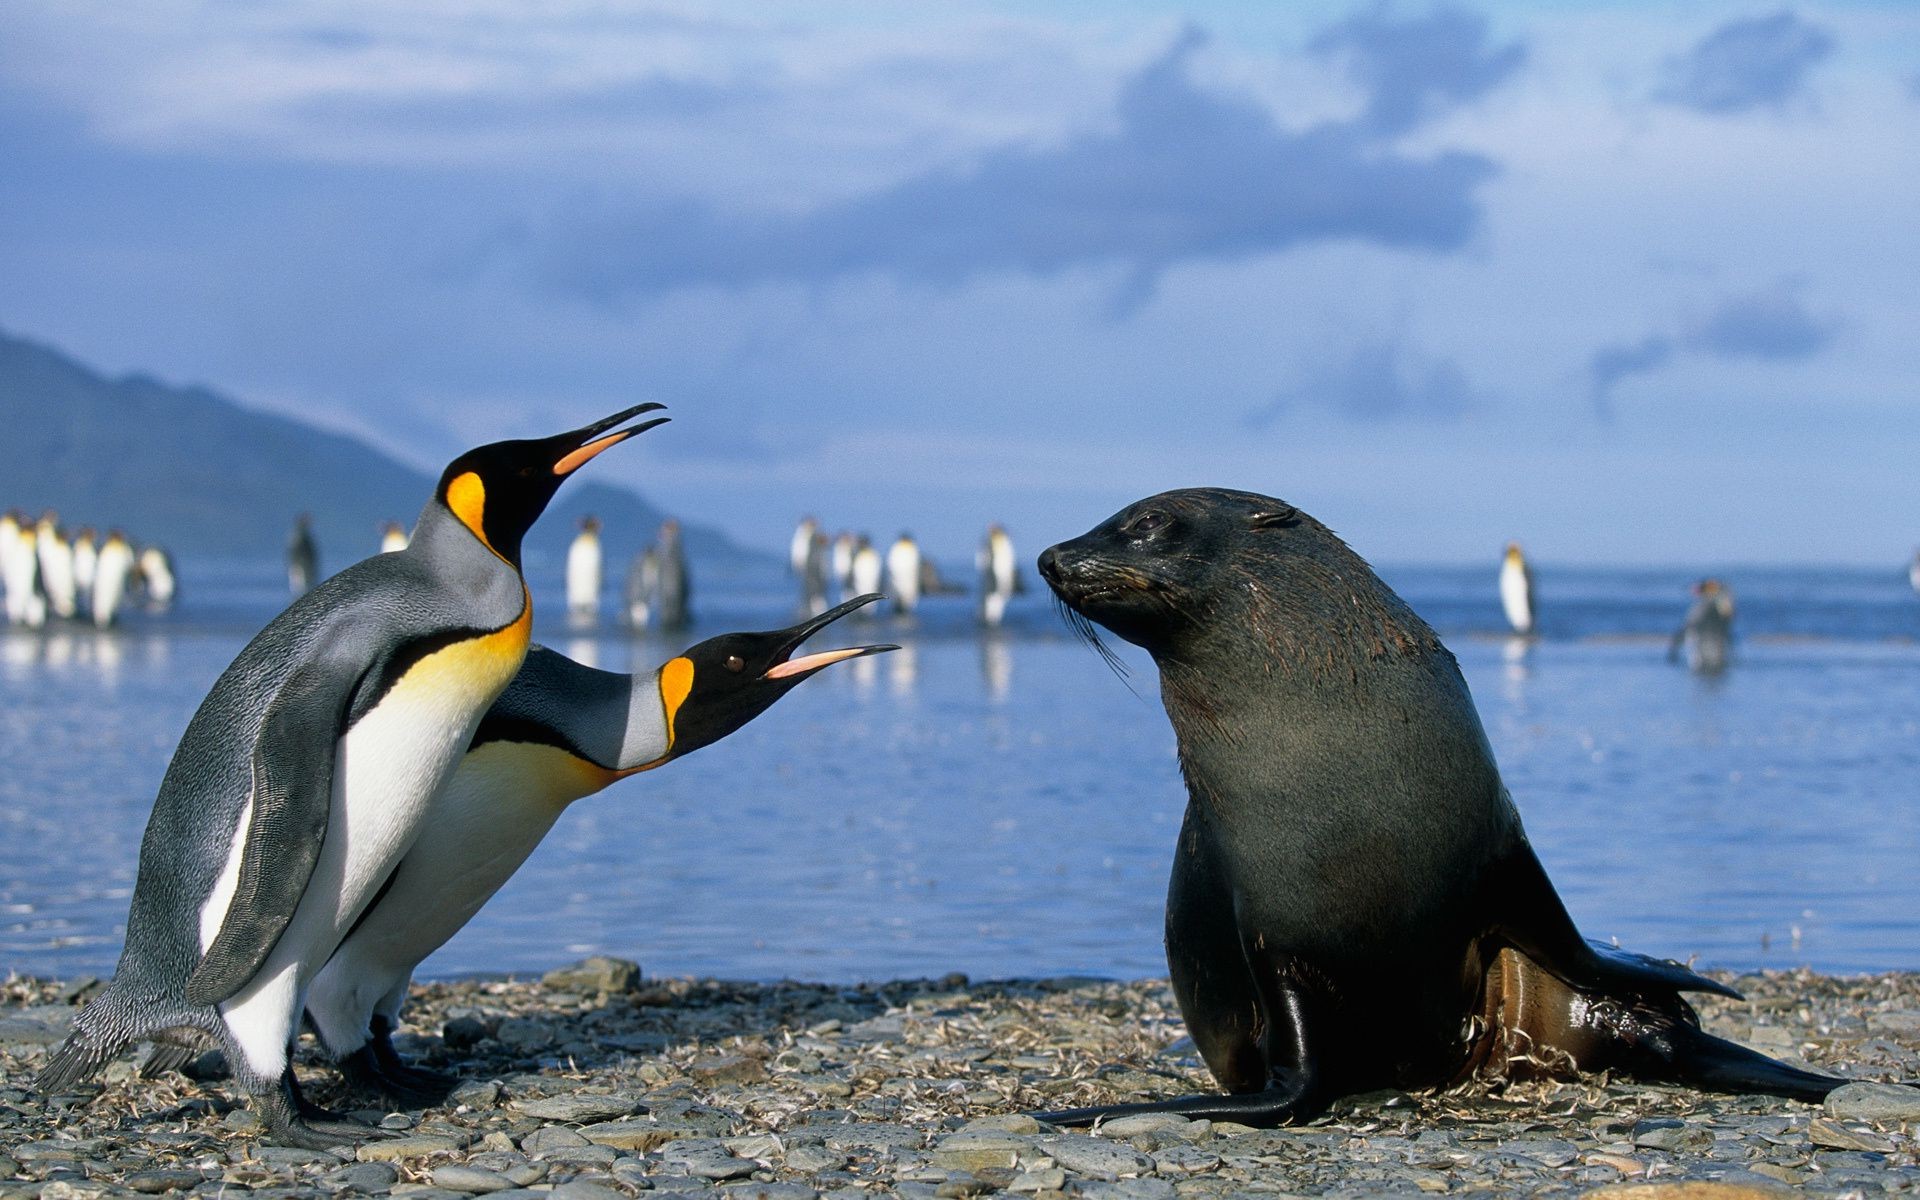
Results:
56 565
801 544
813 576
1913 571
559 732
158 577
1516 590
999 575
583 571
20 569
1705 638
643 587
675 591
304 777
303 556
86 560
867 570
840 562
113 570
904 577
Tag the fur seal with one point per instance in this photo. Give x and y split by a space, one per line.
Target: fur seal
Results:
1354 904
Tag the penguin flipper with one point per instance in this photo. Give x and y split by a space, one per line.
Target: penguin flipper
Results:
292 793
1534 921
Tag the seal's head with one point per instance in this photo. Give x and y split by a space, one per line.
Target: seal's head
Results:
1209 572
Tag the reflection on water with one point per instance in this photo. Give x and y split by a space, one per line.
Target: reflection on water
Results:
904 814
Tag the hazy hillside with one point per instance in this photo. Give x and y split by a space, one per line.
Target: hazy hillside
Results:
209 478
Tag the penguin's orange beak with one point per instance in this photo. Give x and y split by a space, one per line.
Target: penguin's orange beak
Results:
587 444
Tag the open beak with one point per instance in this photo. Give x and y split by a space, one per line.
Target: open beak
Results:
590 441
810 663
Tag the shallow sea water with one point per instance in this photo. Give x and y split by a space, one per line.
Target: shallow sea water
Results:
1004 805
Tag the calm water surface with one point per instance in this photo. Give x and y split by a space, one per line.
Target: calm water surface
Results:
1005 805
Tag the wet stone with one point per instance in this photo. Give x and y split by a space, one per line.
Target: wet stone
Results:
368 1178
397 1149
471 1179
599 974
552 1137
585 1189
1882 1102
579 1109
1096 1158
156 1182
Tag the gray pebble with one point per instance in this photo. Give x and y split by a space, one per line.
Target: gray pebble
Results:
457 1178
1886 1102
1125 1189
476 1093
155 1182
1096 1157
768 1191
584 1189
551 1137
579 1109
367 1178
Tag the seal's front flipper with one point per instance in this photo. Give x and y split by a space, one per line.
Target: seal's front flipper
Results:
287 822
1688 1055
1535 922
1263 1110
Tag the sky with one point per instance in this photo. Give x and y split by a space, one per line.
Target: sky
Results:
1629 282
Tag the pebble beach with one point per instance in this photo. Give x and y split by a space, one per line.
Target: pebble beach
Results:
595 1082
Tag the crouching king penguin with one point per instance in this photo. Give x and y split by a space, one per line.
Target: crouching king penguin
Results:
304 778
560 732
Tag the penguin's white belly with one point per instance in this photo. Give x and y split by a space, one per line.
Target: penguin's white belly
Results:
583 577
1516 598
387 770
866 573
479 829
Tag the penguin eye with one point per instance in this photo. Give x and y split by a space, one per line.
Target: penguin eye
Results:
1147 522
736 663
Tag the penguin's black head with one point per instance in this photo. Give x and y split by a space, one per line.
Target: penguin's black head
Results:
724 682
499 491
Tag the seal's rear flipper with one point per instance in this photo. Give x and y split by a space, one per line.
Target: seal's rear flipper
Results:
1703 1060
1262 1110
1535 923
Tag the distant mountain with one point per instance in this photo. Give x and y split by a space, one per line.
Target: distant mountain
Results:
211 479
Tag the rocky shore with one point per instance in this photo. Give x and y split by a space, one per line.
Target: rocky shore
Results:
594 1083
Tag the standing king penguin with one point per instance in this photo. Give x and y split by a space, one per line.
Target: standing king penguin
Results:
303 556
1516 590
561 731
307 772
584 561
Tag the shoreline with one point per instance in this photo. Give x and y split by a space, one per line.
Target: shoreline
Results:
594 1082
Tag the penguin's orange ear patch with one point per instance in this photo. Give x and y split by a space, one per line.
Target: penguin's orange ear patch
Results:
676 683
467 497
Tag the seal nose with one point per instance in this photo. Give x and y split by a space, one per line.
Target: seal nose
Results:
1050 565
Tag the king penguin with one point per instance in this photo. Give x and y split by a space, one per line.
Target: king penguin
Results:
158 577
303 556
113 568
305 775
561 731
56 565
903 574
583 572
999 575
393 536
1516 590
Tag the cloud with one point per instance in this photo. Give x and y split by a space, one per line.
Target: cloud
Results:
1769 325
1772 325
1414 70
1185 174
1376 380
1747 64
1614 363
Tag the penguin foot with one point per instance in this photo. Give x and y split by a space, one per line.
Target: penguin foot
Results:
397 1082
292 1121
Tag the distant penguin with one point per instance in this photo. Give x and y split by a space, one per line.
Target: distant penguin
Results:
840 563
643 587
393 536
583 571
56 565
1913 571
813 575
86 557
801 545
303 556
1706 637
1516 590
559 732
868 570
676 588
113 572
157 576
903 573
306 774
20 571
999 575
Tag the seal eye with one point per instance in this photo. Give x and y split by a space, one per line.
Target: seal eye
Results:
1147 522
736 663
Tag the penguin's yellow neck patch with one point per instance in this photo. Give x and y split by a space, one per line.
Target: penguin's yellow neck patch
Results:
467 497
676 684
